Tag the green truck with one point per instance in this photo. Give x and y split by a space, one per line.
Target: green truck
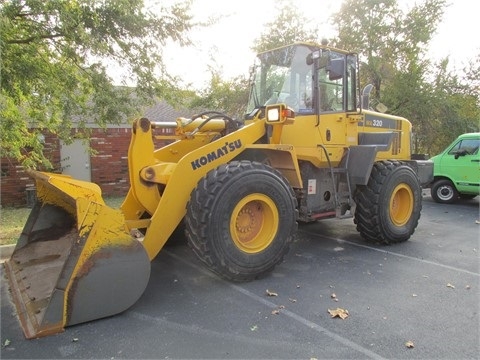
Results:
457 170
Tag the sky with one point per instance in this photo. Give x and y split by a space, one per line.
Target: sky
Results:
226 45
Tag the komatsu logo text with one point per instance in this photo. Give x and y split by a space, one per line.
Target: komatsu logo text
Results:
216 154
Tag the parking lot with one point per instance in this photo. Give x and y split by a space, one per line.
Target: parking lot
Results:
415 300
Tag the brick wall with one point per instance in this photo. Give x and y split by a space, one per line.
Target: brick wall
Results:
14 183
109 166
14 180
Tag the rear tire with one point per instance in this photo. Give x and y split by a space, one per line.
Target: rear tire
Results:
241 219
444 192
388 207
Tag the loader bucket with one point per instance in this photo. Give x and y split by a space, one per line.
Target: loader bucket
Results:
75 260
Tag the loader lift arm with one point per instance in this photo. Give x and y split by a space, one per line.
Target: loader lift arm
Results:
161 180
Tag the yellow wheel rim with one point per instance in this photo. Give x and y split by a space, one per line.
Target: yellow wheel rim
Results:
254 223
401 204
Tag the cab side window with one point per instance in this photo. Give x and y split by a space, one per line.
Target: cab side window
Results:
337 83
466 147
331 92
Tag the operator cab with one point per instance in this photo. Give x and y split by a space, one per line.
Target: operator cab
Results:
308 78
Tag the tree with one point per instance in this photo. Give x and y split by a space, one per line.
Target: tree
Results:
57 58
387 38
456 104
229 96
287 27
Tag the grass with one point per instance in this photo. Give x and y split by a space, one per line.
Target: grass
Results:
12 220
11 223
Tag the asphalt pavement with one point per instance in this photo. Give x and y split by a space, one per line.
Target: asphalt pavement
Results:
415 300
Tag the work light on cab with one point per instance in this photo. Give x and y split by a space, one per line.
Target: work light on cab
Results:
279 113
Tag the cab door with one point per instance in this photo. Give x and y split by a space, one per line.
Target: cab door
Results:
462 164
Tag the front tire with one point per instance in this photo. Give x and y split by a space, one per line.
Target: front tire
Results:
444 192
388 207
241 219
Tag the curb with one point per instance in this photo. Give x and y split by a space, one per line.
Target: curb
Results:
6 252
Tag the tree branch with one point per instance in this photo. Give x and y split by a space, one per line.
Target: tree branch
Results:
34 38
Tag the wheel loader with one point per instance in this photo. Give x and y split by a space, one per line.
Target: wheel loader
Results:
309 148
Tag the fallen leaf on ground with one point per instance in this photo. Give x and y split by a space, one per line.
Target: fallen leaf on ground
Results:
338 312
271 293
254 328
450 286
410 344
275 312
292 300
6 343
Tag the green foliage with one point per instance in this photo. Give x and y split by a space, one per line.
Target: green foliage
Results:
57 59
228 96
287 27
440 104
386 38
456 103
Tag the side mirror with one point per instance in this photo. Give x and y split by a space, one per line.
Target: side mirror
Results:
366 96
460 153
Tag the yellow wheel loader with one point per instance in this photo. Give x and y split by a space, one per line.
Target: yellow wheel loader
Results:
308 149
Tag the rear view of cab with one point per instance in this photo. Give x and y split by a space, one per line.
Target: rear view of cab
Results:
457 170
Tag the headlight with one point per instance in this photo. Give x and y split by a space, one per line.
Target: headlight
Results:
273 114
279 113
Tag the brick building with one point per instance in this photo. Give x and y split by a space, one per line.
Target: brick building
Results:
107 166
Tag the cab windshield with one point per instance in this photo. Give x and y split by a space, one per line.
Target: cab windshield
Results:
306 78
283 76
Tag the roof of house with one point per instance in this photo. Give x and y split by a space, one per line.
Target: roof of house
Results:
163 111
